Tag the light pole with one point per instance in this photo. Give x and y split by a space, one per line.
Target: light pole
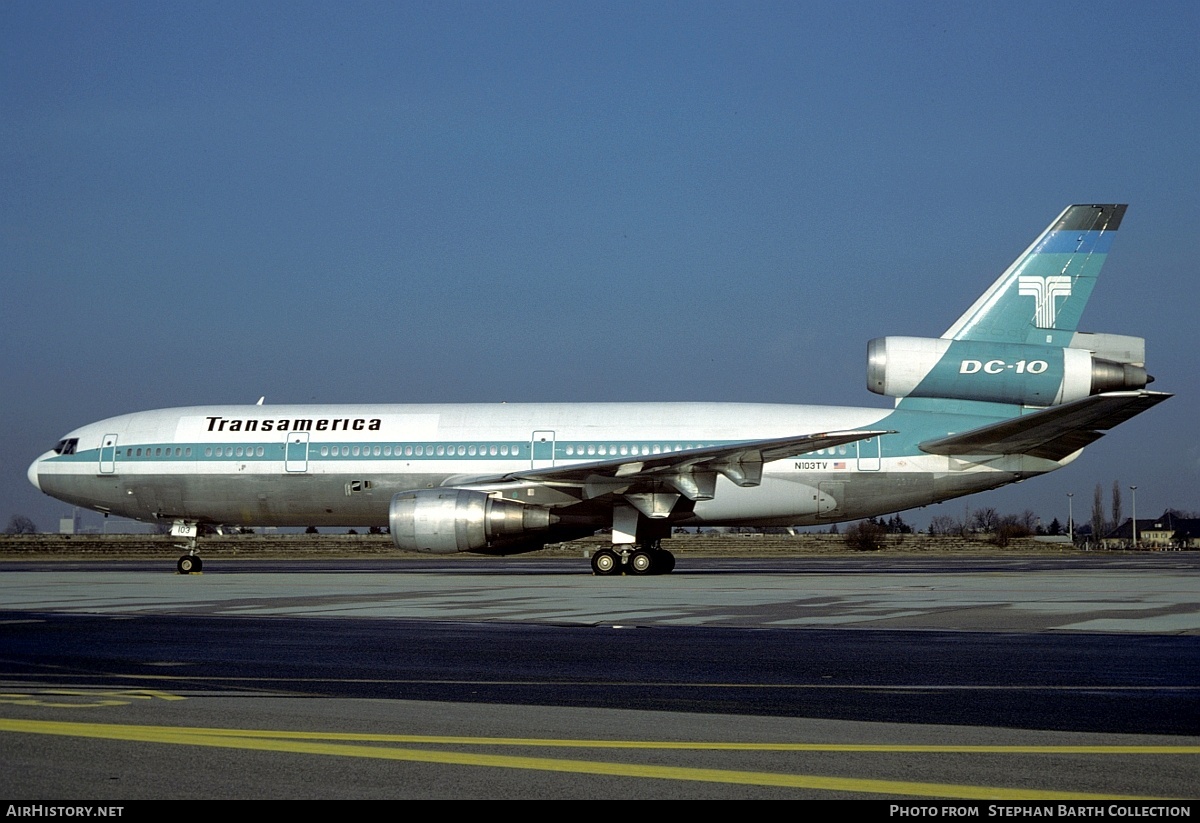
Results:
1133 519
1071 516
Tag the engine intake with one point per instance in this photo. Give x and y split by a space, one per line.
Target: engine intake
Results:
445 521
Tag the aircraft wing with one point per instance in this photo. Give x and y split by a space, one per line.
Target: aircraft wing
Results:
1052 433
692 472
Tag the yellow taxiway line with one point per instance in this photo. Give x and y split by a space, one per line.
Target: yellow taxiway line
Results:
375 746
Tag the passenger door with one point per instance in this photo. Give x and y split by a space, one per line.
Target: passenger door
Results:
108 454
296 456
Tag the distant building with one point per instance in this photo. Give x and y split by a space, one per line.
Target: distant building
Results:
1170 531
69 524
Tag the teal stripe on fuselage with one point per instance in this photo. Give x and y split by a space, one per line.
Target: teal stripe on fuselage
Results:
912 419
573 450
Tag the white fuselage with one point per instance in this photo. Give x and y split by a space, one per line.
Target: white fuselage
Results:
341 464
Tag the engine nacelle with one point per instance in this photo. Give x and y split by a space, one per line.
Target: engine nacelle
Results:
1016 373
445 521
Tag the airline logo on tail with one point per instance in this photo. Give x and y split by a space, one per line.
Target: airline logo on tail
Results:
1044 290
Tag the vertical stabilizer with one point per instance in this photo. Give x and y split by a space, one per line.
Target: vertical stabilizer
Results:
1040 297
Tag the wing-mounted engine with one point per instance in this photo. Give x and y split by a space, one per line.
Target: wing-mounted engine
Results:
1015 373
449 520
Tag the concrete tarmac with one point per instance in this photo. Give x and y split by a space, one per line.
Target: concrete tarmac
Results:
912 678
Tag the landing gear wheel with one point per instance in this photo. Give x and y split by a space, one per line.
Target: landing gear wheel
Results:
605 562
664 562
189 564
641 562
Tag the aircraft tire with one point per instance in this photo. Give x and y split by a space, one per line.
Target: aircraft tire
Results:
642 562
189 564
605 562
665 562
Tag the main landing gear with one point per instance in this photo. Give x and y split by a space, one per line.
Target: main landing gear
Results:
651 559
636 542
190 563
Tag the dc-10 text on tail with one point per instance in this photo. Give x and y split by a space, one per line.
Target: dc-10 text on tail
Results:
1010 391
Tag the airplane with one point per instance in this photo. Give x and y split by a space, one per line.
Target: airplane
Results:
1010 391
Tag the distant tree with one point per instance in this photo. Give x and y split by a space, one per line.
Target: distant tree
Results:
866 536
311 530
1029 520
945 524
1098 529
20 524
985 520
1116 504
1010 526
352 531
833 529
1055 527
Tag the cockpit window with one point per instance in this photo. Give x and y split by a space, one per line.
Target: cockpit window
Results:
66 446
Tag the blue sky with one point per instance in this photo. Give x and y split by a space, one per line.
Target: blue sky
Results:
205 202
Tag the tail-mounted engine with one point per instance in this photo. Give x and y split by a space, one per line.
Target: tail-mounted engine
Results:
1017 373
444 521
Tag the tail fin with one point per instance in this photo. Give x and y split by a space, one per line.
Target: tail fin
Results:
1041 296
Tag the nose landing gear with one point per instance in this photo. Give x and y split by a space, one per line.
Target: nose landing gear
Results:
189 563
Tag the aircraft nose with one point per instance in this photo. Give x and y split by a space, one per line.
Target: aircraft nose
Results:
32 474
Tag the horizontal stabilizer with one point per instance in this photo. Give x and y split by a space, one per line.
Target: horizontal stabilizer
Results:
1052 433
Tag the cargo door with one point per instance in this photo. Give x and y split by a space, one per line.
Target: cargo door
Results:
830 494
